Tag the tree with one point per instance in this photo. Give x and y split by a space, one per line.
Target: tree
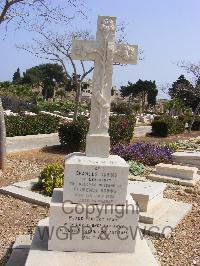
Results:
61 93
193 93
48 76
182 89
175 106
57 48
152 94
17 77
2 138
145 90
23 11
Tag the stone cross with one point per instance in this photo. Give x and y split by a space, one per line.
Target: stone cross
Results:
104 52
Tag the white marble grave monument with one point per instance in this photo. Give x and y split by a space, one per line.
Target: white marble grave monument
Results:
96 177
93 212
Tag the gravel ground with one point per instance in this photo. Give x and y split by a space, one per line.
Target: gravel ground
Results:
183 247
18 217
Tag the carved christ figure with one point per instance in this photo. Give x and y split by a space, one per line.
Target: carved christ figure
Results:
104 52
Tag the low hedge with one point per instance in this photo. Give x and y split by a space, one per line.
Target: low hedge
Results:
23 125
73 134
167 125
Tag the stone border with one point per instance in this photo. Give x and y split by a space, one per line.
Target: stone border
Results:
22 191
20 251
167 222
22 244
173 180
32 136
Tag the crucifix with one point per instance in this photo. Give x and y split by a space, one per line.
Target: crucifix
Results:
104 52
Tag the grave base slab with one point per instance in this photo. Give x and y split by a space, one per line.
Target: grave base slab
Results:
190 158
155 212
163 226
92 228
40 256
146 194
174 180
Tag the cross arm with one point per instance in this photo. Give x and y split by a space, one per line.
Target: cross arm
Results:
126 54
83 50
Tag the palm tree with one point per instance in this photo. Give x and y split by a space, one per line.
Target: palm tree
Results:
2 138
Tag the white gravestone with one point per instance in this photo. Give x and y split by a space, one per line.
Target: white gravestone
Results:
104 52
96 180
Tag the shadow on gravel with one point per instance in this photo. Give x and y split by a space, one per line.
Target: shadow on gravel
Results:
6 256
57 149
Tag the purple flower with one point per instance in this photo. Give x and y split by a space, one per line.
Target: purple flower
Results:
145 153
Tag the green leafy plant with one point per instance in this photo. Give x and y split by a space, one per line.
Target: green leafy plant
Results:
174 146
52 176
136 168
122 108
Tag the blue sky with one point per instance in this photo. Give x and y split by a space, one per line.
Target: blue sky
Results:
167 31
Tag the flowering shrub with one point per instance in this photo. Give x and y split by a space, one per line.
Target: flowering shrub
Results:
121 128
145 153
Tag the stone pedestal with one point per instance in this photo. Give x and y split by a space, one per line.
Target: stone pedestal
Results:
98 145
95 180
39 254
92 228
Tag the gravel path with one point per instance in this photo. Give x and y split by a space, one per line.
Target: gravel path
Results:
18 217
